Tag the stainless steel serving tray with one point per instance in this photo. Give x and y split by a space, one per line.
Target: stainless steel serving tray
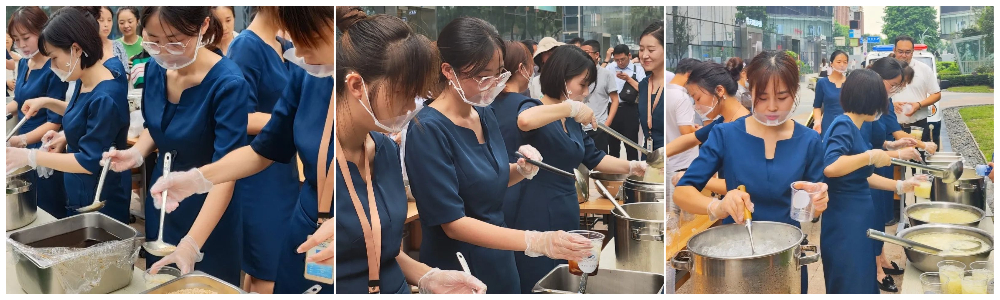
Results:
195 280
607 281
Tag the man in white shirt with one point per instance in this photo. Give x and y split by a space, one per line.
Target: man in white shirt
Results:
603 98
911 104
679 113
627 74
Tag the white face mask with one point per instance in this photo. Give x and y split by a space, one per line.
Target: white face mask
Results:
743 94
877 116
773 118
64 75
527 75
569 94
172 59
841 70
486 93
703 111
25 55
321 71
394 124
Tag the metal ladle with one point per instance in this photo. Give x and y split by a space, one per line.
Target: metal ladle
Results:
948 174
16 127
654 159
612 198
748 219
158 247
545 166
98 204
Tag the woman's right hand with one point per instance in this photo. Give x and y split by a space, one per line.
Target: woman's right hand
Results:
557 245
180 186
878 158
122 160
32 106
53 142
581 113
324 233
733 205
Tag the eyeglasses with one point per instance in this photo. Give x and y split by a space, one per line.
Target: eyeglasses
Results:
909 52
490 81
622 60
174 48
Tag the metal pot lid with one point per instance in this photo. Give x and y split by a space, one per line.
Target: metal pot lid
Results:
732 242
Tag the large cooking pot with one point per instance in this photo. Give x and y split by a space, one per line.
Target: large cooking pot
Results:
639 240
634 190
928 262
910 209
22 205
775 269
970 189
613 182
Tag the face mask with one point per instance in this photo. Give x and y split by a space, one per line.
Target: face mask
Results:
877 116
895 90
842 70
24 55
703 111
570 96
320 71
486 94
394 124
64 75
527 76
171 61
779 117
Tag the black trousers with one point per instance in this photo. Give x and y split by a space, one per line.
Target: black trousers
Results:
600 139
626 122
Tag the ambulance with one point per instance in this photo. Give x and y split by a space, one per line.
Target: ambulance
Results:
920 54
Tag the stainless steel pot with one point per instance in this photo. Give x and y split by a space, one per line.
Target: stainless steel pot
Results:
607 281
928 262
639 240
195 280
634 190
22 205
915 207
613 182
970 189
775 272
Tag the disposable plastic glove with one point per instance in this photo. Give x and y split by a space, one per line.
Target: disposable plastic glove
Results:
638 168
53 142
187 254
580 112
900 144
179 186
122 160
20 157
930 147
878 158
732 205
818 190
437 281
907 186
18 141
556 245
909 154
676 178
523 166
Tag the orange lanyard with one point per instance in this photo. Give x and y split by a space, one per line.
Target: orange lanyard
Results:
372 229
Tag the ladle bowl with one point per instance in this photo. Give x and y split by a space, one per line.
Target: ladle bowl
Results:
948 174
98 204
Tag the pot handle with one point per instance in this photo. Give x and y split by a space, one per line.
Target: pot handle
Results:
681 261
652 236
808 259
964 187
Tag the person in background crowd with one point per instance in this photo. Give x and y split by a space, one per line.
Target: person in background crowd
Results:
258 52
775 152
577 41
138 71
531 44
12 59
458 147
628 75
651 47
226 16
911 104
850 162
826 106
602 98
35 79
105 17
542 54
95 119
680 117
128 24
824 68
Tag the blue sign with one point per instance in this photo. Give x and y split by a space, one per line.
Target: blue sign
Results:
853 33
874 39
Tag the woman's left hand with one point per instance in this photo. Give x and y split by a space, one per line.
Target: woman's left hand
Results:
638 168
323 234
19 157
437 281
818 190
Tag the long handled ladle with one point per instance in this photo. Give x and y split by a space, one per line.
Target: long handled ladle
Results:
158 247
948 174
98 204
910 244
612 198
16 127
655 158
545 166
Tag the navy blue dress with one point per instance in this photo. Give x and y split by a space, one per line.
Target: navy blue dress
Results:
209 121
768 181
891 124
94 122
275 187
549 201
296 127
657 130
848 255
506 109
41 82
828 98
452 176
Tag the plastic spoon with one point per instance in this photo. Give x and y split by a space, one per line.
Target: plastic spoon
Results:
16 127
748 218
98 204
158 247
612 198
465 267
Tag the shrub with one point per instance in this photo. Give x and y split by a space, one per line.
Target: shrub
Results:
969 80
947 68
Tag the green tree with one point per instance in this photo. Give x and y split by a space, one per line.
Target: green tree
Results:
919 22
641 16
681 30
841 30
984 21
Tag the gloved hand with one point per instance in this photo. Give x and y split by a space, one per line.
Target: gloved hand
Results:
907 186
187 254
909 154
20 157
900 144
18 141
677 178
731 205
523 166
179 185
818 190
54 142
122 160
437 281
638 168
324 233
930 147
556 245
44 172
878 158
581 113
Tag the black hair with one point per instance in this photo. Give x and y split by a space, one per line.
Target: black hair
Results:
530 43
67 26
305 24
772 65
655 30
621 49
469 45
864 93
576 40
135 13
686 65
902 37
887 67
187 20
28 18
836 53
566 63
593 44
709 75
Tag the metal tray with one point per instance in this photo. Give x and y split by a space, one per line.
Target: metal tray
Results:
198 280
607 281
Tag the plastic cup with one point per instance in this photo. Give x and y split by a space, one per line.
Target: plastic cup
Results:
923 190
982 170
589 264
953 271
917 132
165 274
972 284
802 209
932 282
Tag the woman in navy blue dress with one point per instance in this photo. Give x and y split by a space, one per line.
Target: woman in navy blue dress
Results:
95 119
651 88
826 105
458 166
35 79
194 106
850 163
519 61
774 152
257 51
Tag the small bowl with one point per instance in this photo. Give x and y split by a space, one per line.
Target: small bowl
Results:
165 275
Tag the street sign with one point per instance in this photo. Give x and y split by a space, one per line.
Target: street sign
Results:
853 33
874 39
839 41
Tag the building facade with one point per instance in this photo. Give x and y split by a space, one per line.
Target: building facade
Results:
851 16
956 18
609 25
702 32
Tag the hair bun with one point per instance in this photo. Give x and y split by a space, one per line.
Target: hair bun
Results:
735 66
347 16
